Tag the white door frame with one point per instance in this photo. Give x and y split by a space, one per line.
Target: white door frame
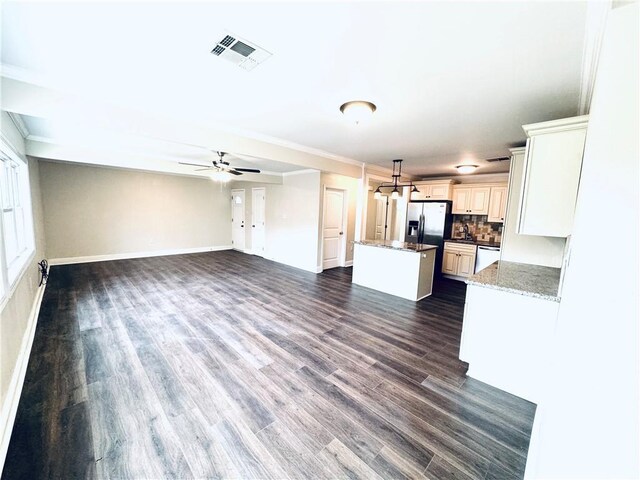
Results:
342 261
253 221
234 192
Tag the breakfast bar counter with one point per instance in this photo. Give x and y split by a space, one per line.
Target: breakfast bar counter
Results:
397 268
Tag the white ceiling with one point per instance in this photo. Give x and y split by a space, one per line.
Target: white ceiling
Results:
453 81
67 132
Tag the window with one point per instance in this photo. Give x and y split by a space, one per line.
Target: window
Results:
16 223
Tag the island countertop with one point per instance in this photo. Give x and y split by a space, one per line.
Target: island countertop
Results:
520 278
396 245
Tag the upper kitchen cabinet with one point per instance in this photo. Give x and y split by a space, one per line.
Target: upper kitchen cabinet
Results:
471 200
433 190
497 204
552 164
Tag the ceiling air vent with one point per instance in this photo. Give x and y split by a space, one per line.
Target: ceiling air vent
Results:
499 159
240 52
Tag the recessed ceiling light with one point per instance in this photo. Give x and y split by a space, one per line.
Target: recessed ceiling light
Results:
466 168
358 110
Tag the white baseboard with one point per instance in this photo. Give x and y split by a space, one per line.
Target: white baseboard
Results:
12 399
348 263
124 256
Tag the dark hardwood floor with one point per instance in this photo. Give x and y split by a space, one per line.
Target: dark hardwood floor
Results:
224 365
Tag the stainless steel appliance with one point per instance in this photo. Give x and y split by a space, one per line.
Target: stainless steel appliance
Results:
429 222
485 256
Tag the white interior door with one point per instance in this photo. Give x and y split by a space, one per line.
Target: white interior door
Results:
237 219
381 210
333 234
257 221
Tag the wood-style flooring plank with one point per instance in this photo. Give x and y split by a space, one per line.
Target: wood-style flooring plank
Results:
225 365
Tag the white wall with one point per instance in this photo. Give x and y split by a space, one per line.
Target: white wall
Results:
16 323
93 211
588 424
292 215
535 250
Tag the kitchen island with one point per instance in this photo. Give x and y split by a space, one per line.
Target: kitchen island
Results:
397 268
509 321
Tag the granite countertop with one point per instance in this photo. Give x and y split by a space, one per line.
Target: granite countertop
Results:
483 243
395 245
520 278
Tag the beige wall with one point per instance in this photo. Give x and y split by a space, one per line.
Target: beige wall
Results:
14 316
291 219
92 211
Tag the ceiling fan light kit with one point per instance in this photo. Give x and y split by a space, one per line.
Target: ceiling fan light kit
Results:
358 111
221 176
222 170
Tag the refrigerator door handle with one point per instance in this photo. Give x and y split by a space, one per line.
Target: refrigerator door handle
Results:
421 229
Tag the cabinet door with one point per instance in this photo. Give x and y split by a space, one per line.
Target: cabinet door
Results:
423 194
450 262
466 264
461 200
552 174
479 204
497 204
440 192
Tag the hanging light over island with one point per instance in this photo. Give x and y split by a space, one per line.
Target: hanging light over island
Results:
394 183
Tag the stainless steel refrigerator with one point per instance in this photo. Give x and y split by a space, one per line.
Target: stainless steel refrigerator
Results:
429 222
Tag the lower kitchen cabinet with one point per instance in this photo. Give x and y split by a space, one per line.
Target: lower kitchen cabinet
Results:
458 259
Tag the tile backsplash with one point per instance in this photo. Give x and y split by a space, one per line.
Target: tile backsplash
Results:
479 228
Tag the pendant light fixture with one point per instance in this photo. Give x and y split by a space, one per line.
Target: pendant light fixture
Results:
394 183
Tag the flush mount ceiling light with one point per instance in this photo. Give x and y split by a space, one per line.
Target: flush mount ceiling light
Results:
466 168
394 183
358 110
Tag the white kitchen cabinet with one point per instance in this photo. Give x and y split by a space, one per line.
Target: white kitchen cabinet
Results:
553 160
458 259
471 200
433 191
497 204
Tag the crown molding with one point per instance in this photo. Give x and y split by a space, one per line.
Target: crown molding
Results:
553 126
300 172
597 13
19 123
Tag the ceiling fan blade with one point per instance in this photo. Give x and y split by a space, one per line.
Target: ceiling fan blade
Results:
247 170
234 171
194 164
202 169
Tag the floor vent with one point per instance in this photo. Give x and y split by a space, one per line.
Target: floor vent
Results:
240 52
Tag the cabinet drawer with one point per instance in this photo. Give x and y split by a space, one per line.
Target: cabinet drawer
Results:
460 247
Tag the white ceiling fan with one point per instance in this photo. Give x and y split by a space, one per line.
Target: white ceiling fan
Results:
221 165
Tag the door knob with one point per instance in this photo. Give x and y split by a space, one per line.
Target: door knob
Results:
341 233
